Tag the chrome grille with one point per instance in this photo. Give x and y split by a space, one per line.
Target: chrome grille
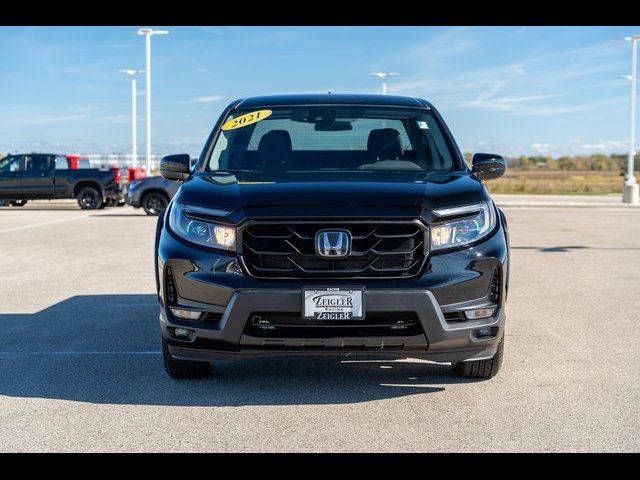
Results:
392 249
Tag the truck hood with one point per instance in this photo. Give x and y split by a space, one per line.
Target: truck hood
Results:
231 192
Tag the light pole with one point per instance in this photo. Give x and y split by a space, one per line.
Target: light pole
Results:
147 32
383 76
630 190
134 120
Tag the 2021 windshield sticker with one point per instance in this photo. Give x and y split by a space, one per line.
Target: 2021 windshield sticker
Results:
246 119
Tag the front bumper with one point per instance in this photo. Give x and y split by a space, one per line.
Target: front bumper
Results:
132 198
226 340
450 282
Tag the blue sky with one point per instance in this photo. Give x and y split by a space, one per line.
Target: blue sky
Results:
509 90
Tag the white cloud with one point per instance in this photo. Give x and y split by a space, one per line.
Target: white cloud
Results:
444 45
543 148
30 117
605 146
540 83
555 150
117 118
209 99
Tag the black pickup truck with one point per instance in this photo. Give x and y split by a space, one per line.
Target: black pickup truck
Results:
332 224
26 177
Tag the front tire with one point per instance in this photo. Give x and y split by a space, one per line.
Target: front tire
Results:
89 198
154 203
183 369
488 368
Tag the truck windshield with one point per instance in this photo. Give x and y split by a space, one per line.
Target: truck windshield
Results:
331 138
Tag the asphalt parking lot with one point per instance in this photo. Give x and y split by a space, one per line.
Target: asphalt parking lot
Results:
81 369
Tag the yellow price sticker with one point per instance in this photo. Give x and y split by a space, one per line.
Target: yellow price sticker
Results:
246 119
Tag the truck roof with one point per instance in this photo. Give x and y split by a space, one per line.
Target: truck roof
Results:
36 153
332 99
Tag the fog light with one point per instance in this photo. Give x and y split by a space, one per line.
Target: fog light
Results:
486 332
480 313
188 314
233 267
263 323
181 332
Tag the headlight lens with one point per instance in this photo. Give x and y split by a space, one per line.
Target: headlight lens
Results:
198 231
464 231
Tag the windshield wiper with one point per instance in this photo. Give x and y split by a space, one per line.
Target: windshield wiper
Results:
239 170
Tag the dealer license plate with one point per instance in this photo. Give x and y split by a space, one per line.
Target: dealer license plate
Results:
333 303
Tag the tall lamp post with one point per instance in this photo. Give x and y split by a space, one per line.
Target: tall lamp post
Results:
630 190
134 120
383 76
147 32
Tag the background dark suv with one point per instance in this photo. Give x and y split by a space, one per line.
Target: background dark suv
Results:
152 194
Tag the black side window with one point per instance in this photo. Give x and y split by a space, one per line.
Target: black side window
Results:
37 162
10 164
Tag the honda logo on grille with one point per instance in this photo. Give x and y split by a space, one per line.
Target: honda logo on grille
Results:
333 243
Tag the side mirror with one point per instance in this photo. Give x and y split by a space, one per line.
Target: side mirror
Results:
487 166
175 167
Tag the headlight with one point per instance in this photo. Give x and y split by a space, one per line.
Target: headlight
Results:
201 232
466 230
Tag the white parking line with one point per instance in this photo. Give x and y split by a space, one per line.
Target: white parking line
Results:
59 220
41 224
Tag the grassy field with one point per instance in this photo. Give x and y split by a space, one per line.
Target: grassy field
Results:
557 182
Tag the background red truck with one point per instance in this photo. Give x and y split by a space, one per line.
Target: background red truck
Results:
78 161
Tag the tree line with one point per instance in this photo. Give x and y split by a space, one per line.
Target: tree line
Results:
596 162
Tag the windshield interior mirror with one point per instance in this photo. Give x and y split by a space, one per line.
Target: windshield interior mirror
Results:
488 166
335 126
175 167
